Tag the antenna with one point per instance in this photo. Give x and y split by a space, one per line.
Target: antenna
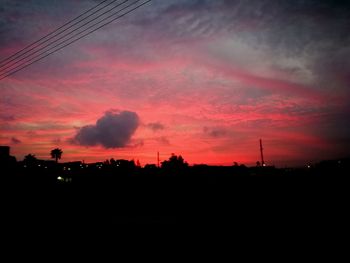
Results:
262 153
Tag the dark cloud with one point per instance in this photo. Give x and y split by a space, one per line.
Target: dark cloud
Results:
113 130
163 140
215 132
14 140
155 126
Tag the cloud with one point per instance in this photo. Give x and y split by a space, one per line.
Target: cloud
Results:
155 126
215 132
14 140
163 140
113 130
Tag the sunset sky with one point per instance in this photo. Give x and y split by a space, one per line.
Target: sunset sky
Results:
204 79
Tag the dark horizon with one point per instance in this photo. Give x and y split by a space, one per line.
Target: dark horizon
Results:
57 154
6 152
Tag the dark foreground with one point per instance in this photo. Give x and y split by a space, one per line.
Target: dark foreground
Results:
181 198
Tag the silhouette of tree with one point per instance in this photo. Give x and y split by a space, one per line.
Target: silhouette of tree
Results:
56 154
174 162
30 159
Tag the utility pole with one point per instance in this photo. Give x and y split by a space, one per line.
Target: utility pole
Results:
262 153
158 159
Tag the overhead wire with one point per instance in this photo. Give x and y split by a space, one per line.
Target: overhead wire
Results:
49 34
16 61
40 57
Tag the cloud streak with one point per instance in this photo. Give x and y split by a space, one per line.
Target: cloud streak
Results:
215 132
155 126
14 140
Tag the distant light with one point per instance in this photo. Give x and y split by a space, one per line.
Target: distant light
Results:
60 178
339 162
308 166
264 164
64 168
24 166
45 167
68 169
99 167
87 165
39 165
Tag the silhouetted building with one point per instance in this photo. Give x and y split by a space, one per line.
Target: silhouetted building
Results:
6 160
4 151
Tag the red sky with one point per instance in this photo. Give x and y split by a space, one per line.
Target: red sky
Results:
206 81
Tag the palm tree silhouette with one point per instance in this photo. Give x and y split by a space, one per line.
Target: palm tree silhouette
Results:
56 154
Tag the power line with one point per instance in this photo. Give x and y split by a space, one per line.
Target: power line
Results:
62 42
57 45
118 17
37 41
2 68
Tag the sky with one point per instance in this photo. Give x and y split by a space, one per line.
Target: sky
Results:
204 79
